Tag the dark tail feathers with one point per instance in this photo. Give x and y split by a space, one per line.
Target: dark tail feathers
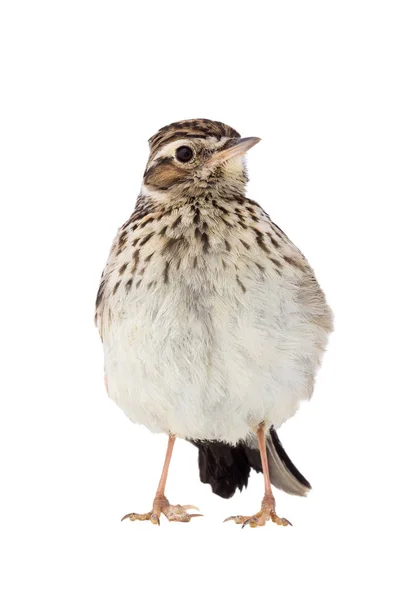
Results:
227 468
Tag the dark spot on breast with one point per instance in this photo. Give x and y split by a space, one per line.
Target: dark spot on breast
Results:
163 231
116 286
243 225
221 208
262 269
195 262
227 223
292 261
273 240
122 239
122 268
171 243
135 259
245 244
197 233
260 241
253 202
176 222
100 293
165 274
223 264
227 246
128 284
138 283
148 258
150 285
150 220
276 262
135 241
196 218
146 238
240 283
205 242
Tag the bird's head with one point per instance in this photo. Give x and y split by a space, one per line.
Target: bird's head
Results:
188 157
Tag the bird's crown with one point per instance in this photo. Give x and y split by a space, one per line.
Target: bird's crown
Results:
189 129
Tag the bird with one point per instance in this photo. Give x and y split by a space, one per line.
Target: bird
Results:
212 321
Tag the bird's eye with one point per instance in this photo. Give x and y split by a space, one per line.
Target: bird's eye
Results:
184 154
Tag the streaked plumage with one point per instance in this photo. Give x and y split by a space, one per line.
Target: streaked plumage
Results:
212 320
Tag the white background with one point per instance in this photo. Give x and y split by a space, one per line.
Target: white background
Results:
84 85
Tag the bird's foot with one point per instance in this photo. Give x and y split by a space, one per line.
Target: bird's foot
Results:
267 513
176 512
173 512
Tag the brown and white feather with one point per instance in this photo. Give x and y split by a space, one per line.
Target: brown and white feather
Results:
212 320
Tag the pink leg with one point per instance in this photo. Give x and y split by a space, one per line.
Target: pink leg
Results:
264 461
267 511
163 479
161 504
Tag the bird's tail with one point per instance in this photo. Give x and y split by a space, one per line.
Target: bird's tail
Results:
227 468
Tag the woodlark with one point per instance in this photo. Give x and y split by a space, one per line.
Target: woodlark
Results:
212 320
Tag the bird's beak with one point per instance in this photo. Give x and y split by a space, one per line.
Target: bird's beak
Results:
238 148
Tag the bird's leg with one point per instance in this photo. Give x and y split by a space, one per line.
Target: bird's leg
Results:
160 503
267 511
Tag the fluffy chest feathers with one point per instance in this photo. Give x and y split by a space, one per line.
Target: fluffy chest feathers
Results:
206 242
207 309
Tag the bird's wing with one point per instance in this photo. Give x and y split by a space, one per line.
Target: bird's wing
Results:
98 315
144 210
310 295
101 316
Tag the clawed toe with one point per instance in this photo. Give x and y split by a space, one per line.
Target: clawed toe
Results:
152 517
259 519
179 513
171 512
280 521
254 521
237 519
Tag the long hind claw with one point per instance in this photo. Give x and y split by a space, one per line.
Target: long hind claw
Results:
280 521
172 512
259 519
179 513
